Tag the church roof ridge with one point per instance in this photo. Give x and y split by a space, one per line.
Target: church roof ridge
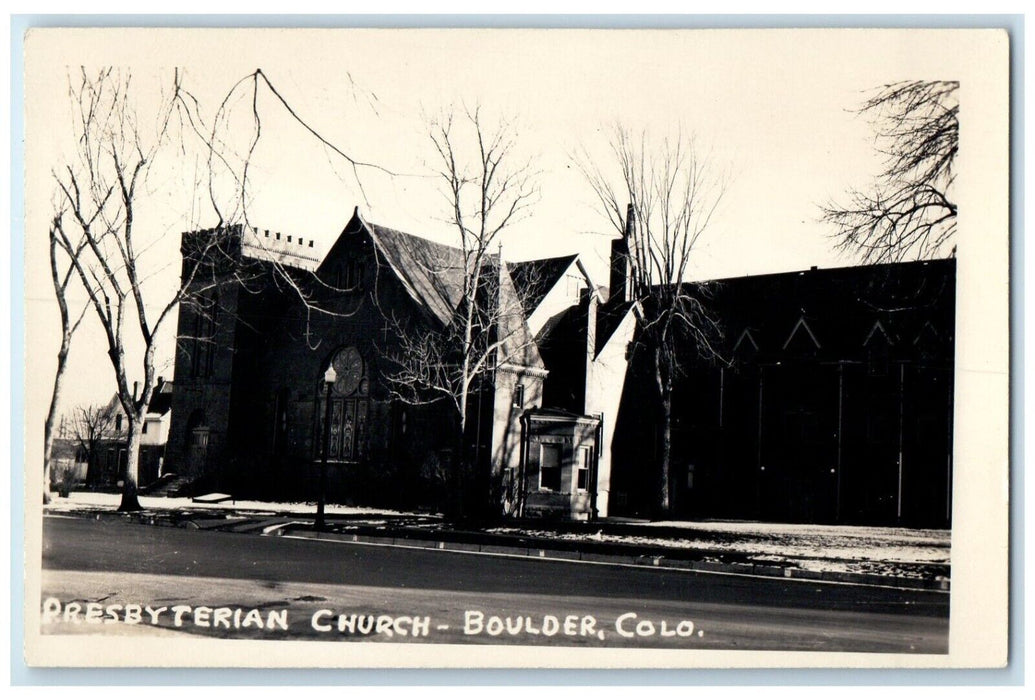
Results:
431 271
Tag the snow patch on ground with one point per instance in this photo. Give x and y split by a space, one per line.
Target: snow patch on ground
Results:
883 551
78 500
760 542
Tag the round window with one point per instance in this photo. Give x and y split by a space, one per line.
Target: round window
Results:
348 364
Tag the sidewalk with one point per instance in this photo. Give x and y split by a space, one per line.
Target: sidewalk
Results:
865 555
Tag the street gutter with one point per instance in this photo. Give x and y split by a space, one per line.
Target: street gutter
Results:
604 553
932 576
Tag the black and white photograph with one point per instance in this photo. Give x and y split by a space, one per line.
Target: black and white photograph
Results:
437 347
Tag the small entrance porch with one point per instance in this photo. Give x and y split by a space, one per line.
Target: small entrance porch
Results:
558 473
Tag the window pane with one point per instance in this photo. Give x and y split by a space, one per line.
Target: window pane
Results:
335 436
550 468
582 477
551 456
361 428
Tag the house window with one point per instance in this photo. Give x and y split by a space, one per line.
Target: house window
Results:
582 475
550 467
118 423
519 396
574 286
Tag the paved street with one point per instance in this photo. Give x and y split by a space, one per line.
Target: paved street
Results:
247 586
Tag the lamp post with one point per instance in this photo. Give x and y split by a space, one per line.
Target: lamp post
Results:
329 377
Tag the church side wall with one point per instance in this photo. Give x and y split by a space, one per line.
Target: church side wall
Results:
507 409
605 382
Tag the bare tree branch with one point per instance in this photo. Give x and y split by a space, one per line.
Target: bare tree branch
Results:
660 202
909 211
487 190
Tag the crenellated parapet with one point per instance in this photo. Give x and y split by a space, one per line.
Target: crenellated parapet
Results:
236 241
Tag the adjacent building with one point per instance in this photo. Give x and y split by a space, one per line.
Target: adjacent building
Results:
91 443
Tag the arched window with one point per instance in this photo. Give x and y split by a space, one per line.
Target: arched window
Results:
347 437
349 276
203 340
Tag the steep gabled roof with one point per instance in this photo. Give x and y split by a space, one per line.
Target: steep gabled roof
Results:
518 346
534 279
432 273
609 317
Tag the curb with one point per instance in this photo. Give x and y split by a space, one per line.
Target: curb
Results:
282 525
941 585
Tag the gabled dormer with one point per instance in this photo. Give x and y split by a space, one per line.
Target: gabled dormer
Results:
801 338
549 287
746 345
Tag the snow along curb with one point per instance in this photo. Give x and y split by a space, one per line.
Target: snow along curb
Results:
643 560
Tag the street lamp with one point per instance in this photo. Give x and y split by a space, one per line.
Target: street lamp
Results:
329 377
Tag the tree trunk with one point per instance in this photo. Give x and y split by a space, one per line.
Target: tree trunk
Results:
663 380
455 498
48 426
665 497
55 402
130 475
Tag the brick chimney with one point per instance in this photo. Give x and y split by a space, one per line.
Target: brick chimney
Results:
621 263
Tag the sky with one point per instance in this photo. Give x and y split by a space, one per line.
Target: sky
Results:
772 111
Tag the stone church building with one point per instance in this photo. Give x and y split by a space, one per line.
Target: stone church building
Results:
833 402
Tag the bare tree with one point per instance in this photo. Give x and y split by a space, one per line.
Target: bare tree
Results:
89 426
62 272
487 189
661 202
100 188
910 210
